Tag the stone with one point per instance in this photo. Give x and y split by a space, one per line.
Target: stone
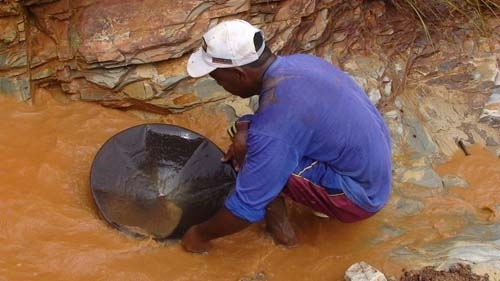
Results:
18 86
423 176
13 57
454 181
386 88
140 90
491 110
9 8
295 8
167 82
114 32
240 106
486 68
105 78
313 33
482 257
362 271
416 136
409 207
8 31
393 120
374 95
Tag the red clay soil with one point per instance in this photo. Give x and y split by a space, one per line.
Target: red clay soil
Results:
458 272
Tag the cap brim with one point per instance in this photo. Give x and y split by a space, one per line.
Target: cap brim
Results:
197 66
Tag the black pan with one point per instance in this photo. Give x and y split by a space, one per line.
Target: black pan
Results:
157 180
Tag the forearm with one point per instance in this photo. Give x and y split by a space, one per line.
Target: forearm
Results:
222 224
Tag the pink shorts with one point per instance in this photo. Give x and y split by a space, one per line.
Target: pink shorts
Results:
303 191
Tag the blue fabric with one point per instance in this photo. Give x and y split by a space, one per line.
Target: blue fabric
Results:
309 110
320 174
245 118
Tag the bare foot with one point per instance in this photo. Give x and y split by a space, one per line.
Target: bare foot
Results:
278 224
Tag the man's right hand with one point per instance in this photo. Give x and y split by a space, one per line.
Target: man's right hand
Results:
197 238
238 149
192 241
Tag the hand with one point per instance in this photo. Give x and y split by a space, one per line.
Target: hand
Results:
237 150
193 242
197 238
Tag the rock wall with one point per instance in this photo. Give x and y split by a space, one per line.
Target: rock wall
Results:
111 50
131 54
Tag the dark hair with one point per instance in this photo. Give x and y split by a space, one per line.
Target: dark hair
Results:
258 40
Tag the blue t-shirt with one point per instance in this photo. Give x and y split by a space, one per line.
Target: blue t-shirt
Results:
309 108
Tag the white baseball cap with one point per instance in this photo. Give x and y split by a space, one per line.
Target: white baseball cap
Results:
228 44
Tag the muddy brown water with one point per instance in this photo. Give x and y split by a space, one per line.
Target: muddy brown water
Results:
51 229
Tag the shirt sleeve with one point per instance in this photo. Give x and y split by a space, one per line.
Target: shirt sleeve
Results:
246 118
268 165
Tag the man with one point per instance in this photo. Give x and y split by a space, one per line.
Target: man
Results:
316 138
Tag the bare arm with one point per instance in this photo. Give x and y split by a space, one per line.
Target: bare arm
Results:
238 148
197 238
224 222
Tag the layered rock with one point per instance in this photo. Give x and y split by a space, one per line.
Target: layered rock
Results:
112 50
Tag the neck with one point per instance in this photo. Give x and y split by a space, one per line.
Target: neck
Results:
259 75
265 66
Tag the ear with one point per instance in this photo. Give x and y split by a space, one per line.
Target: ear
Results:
240 73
